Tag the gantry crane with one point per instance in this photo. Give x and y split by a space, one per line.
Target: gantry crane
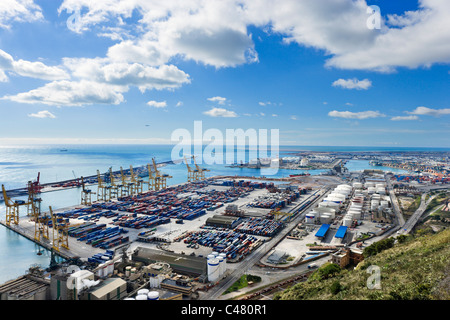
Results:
125 187
103 190
34 203
193 174
151 178
12 208
40 222
138 183
201 171
86 194
114 188
161 178
60 233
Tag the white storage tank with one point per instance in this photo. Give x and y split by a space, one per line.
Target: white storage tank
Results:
224 263
213 270
141 297
128 271
310 218
153 295
325 218
143 292
221 265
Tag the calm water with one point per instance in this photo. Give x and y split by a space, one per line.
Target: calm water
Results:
21 164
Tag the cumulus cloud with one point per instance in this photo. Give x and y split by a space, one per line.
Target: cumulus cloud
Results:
30 69
179 104
219 100
353 84
18 11
430 112
293 118
71 93
42 114
355 115
157 104
221 112
404 118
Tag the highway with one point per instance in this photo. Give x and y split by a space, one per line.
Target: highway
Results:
215 293
394 201
409 225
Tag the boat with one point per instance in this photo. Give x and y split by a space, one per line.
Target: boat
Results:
63 150
299 175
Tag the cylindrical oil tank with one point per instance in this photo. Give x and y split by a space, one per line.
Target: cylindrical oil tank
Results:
213 270
153 295
141 297
143 292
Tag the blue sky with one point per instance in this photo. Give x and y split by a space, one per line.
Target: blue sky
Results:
135 71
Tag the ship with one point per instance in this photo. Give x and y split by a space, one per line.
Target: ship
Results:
299 175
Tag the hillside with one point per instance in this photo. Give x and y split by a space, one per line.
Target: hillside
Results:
417 268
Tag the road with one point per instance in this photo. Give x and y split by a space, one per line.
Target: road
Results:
394 201
409 225
215 293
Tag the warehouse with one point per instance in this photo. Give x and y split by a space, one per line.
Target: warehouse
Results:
220 221
180 263
109 289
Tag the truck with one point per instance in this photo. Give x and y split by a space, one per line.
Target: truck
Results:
312 266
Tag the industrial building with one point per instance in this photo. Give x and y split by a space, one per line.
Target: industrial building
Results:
109 289
27 287
180 263
221 221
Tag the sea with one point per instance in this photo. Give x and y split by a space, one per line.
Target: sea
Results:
20 164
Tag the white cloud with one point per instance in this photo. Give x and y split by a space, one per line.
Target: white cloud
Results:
3 76
262 114
219 100
38 70
293 118
355 115
179 104
274 115
71 93
156 104
220 112
42 114
353 84
30 69
262 103
18 11
406 118
216 32
430 112
127 74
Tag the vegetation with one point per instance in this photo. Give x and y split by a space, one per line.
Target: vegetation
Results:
413 207
242 282
415 267
377 247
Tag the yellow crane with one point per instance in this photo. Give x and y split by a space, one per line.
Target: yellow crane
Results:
60 233
114 188
201 171
86 194
161 178
40 223
193 174
138 183
103 190
151 178
125 186
12 208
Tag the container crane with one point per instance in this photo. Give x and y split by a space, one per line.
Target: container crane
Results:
161 178
12 208
125 186
86 194
193 174
138 183
103 191
114 188
151 178
201 171
60 233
